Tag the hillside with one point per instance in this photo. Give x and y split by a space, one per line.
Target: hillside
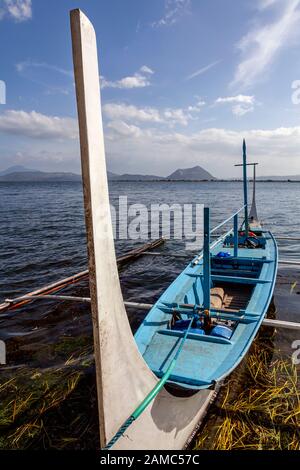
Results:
21 174
38 176
129 177
197 173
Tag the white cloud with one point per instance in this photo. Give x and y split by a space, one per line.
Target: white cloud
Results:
157 152
203 70
244 99
125 130
261 45
197 107
241 104
174 10
168 116
242 109
176 116
146 69
37 126
140 79
26 64
131 112
136 81
28 69
18 10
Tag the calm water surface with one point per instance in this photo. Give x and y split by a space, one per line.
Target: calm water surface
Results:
42 236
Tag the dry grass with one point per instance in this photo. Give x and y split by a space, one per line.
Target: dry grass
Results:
50 408
56 407
261 413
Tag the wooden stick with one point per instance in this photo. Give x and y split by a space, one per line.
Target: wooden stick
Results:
281 324
288 238
291 262
168 255
54 287
136 253
58 285
51 297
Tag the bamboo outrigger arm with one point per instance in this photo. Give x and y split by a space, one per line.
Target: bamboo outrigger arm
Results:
123 378
141 306
57 286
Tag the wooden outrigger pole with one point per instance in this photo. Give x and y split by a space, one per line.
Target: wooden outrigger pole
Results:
123 377
141 306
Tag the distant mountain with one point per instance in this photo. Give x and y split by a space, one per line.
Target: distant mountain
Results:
128 177
189 174
197 173
20 173
15 169
111 175
38 176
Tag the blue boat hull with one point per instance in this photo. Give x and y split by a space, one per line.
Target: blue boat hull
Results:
207 358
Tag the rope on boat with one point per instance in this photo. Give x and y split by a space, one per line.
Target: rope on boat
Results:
141 408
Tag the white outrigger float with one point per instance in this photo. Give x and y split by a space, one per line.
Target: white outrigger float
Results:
123 377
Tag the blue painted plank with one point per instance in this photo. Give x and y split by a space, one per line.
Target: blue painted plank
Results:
205 338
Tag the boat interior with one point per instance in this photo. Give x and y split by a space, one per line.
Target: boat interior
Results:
237 300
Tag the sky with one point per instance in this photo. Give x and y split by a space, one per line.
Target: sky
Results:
182 83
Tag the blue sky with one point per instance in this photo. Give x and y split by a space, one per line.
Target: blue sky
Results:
183 81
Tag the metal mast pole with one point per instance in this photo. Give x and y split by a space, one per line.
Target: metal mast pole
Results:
245 187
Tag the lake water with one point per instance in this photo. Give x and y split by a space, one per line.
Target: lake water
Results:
42 239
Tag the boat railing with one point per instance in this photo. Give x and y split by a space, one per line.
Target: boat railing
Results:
221 237
227 220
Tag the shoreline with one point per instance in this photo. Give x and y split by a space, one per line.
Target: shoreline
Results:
250 180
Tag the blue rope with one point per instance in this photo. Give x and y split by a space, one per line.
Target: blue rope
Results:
120 433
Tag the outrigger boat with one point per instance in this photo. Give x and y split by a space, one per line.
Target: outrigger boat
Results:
154 388
219 300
